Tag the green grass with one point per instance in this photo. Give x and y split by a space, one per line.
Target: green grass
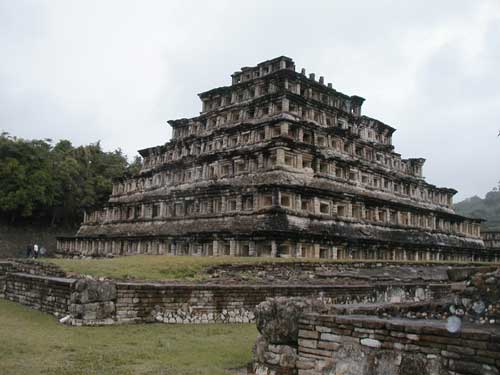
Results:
152 267
32 342
160 267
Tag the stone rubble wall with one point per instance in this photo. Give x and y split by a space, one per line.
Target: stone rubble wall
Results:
97 302
479 299
475 298
5 267
303 272
370 345
184 303
2 286
32 267
364 345
45 293
27 266
334 266
458 336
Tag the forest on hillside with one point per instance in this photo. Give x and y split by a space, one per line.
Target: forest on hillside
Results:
487 208
42 182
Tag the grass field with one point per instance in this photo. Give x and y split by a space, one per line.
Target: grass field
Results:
152 267
160 267
32 342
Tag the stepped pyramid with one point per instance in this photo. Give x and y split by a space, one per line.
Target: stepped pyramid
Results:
279 164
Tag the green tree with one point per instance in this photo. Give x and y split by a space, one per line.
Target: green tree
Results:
58 183
135 166
26 185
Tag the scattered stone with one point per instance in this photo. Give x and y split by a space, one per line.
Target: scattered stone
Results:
65 320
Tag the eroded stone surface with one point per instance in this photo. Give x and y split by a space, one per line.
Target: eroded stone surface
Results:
341 342
278 318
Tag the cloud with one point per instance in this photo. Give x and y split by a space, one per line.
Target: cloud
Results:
118 70
452 115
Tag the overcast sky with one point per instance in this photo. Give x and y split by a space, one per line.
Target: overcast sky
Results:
116 71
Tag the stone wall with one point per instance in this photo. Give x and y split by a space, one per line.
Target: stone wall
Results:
308 265
370 345
338 272
26 266
95 302
479 298
456 335
186 303
5 267
365 345
48 294
31 267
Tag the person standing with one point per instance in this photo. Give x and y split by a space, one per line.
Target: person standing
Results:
35 251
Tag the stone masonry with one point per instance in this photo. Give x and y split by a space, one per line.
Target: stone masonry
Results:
279 164
83 300
454 336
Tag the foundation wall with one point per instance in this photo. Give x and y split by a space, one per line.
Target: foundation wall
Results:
370 345
48 294
31 267
91 302
235 304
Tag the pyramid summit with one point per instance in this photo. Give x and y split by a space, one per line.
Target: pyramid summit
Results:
279 163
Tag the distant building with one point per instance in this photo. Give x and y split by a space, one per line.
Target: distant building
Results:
279 164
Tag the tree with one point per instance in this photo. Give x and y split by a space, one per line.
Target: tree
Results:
58 183
134 167
25 174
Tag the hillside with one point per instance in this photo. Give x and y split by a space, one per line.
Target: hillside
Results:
487 208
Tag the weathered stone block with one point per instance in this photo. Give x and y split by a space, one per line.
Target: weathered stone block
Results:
371 343
278 318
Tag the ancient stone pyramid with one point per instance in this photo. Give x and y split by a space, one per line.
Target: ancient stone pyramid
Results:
279 164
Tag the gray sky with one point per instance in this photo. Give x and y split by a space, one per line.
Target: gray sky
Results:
116 71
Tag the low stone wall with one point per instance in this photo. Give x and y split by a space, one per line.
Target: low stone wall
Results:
371 345
364 345
5 267
30 266
34 267
457 335
48 294
27 266
2 286
94 302
276 267
185 303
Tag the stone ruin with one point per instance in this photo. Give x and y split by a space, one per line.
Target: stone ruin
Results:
352 318
491 239
456 335
279 164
